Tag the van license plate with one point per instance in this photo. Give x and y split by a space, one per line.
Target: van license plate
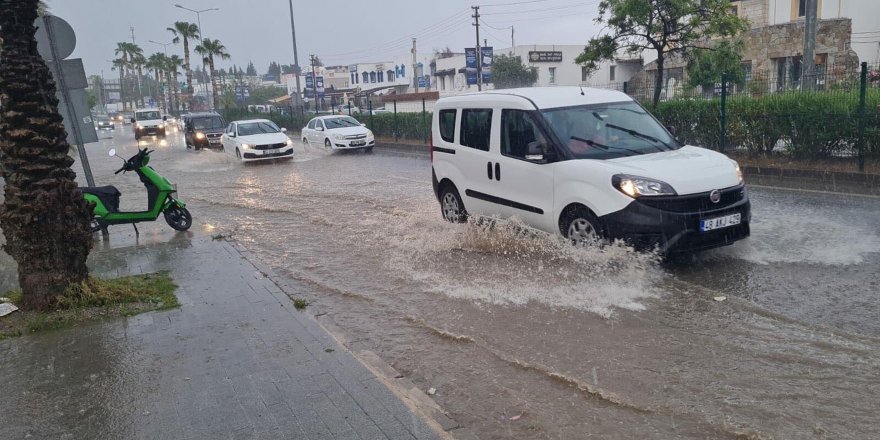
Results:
711 224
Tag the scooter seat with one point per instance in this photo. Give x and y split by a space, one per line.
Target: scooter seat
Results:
108 195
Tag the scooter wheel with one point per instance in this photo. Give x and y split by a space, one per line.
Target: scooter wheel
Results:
178 218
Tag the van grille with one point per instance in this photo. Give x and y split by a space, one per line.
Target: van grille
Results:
695 202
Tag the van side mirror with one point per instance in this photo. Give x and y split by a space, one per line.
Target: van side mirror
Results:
132 120
164 118
535 151
283 130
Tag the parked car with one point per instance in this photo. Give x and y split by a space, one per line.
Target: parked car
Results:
203 130
103 122
338 133
148 122
256 139
586 164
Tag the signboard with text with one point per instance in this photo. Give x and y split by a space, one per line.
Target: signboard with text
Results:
470 65
486 68
545 56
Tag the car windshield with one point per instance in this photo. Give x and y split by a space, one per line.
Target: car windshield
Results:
606 131
346 121
257 128
208 123
145 116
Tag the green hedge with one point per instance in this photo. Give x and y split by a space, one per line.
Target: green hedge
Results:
809 124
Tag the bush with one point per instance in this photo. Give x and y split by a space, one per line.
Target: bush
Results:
809 125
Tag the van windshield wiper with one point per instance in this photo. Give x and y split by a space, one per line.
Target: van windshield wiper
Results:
641 135
593 143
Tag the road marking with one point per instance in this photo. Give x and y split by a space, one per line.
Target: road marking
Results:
815 191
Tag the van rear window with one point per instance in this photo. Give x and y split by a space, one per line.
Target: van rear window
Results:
447 125
475 128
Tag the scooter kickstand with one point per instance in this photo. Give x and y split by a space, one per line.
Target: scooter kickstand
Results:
136 232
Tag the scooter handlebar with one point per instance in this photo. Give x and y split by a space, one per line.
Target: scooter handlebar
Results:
119 170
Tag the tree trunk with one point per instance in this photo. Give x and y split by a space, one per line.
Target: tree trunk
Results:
122 86
44 217
140 90
213 83
658 77
189 73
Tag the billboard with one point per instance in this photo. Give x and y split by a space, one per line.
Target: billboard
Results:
470 64
545 56
311 81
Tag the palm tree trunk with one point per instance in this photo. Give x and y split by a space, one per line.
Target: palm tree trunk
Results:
213 82
122 86
189 73
140 91
44 216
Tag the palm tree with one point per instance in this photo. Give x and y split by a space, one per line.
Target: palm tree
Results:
128 53
45 218
172 64
138 61
156 62
184 31
119 64
208 50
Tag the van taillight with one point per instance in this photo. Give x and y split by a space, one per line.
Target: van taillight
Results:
431 144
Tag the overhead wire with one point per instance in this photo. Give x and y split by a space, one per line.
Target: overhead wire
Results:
568 6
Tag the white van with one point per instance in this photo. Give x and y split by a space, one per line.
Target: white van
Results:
586 164
148 121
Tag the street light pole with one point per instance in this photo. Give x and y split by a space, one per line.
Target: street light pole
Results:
198 15
164 46
295 55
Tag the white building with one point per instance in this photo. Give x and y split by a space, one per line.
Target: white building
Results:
555 64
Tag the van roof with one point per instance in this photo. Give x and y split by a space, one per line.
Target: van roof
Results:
550 97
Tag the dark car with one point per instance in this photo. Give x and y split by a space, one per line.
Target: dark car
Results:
203 130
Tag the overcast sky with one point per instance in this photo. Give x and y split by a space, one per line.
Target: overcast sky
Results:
339 32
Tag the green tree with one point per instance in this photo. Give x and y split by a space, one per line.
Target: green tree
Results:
186 32
91 99
251 70
509 72
172 64
705 66
208 50
44 217
668 27
138 61
157 62
274 70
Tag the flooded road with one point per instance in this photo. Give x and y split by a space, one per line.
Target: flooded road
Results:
524 336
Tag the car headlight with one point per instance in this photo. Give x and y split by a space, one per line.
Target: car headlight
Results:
739 172
161 125
246 146
635 186
289 142
200 135
370 133
139 126
338 136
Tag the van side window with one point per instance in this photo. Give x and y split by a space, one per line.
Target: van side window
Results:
447 125
476 125
518 130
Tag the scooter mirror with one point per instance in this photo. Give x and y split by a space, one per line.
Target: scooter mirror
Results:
112 152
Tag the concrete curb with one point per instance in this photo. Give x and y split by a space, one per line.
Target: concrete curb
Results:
408 392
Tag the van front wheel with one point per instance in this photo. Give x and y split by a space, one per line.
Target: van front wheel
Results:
581 227
451 205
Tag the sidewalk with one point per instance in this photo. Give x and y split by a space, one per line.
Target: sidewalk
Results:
235 361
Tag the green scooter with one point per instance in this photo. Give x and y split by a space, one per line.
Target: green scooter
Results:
159 190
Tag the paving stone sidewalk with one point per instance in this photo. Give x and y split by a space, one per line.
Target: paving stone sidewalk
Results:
236 360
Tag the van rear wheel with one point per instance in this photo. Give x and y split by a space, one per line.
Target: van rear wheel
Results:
451 205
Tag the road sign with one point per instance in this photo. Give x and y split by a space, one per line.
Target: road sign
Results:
65 38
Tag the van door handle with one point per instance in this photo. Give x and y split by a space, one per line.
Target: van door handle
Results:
497 171
489 170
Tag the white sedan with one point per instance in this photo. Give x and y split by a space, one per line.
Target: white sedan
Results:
338 133
256 139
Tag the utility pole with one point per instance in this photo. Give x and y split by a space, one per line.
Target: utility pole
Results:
415 68
809 58
314 81
296 69
476 17
512 45
137 77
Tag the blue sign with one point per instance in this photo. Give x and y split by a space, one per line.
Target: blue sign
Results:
422 82
470 65
486 67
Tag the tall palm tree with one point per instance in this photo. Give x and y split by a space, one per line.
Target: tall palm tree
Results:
208 50
129 53
156 62
186 32
44 216
119 64
173 63
137 62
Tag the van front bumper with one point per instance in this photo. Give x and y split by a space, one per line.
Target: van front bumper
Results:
672 224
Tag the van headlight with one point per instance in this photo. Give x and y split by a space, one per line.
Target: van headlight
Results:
739 172
200 135
635 186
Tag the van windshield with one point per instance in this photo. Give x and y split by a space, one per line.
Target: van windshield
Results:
607 131
208 123
147 116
